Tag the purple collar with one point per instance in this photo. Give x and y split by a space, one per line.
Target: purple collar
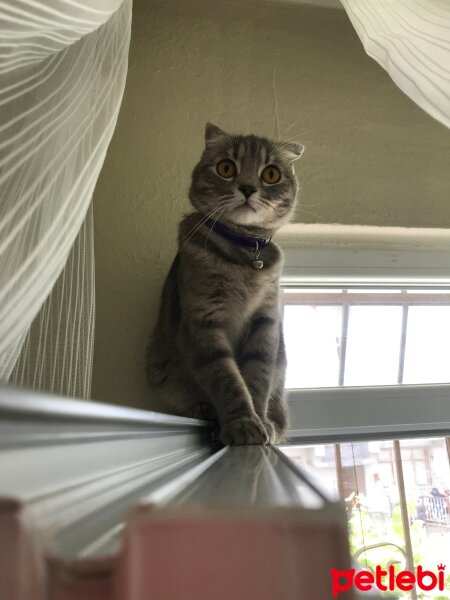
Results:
243 240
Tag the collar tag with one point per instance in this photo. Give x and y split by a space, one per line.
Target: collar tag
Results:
257 263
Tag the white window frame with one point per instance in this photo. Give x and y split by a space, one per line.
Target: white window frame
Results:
346 256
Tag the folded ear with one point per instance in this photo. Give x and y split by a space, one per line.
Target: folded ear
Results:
293 150
213 133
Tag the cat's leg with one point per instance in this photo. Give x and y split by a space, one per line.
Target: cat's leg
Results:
210 360
173 389
258 363
277 410
277 414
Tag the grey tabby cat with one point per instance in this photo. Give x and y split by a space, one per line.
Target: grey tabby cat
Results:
217 351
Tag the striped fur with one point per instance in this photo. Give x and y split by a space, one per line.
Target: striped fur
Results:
217 350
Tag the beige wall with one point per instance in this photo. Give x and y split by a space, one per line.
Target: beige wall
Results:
372 157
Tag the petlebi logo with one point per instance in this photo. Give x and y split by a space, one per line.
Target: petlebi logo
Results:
387 580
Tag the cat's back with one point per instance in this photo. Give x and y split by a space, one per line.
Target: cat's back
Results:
164 333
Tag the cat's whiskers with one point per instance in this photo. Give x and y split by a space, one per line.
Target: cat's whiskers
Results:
198 225
307 212
296 136
310 205
286 131
265 202
281 212
300 134
212 226
185 239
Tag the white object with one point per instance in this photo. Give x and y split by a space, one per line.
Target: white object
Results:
62 75
411 40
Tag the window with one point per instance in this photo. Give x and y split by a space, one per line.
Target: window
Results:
366 315
366 337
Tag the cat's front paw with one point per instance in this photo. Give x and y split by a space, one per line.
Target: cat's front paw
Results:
243 432
271 431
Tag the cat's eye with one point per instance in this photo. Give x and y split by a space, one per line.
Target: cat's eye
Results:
271 174
226 168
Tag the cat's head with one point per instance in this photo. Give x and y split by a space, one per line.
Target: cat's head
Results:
246 181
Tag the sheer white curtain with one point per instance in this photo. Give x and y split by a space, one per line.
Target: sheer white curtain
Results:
63 66
411 40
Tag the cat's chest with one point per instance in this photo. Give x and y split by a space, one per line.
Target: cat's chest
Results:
243 287
225 291
237 291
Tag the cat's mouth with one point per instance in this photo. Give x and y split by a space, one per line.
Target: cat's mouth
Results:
248 205
246 213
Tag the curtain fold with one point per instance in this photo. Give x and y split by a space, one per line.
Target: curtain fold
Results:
58 349
410 39
63 65
32 30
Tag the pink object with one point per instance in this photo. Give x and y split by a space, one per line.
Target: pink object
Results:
82 580
22 567
250 554
187 553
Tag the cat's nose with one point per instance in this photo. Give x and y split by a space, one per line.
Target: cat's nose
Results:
247 190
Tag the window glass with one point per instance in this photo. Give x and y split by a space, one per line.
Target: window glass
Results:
378 337
367 473
427 354
366 337
373 345
312 336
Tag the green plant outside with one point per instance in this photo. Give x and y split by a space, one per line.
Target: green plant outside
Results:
365 531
